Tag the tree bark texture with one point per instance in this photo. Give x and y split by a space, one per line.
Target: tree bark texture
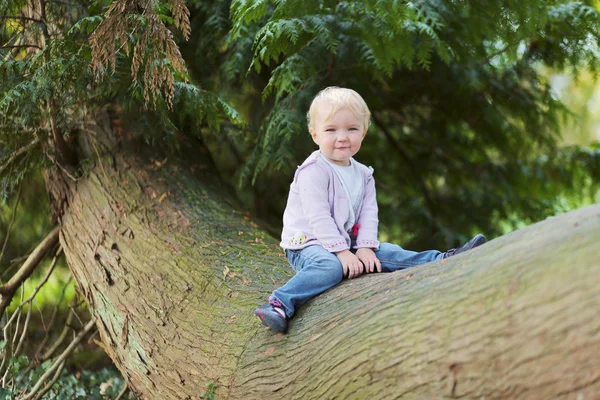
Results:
172 270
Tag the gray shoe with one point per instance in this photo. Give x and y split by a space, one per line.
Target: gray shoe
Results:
272 315
477 240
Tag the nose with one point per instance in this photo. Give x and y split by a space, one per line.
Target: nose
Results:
342 136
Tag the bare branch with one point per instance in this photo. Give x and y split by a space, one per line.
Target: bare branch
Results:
24 333
20 17
52 382
35 46
66 328
30 298
10 159
8 290
45 279
18 314
60 339
48 354
122 392
60 360
63 169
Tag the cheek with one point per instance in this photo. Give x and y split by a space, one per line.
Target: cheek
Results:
330 140
357 142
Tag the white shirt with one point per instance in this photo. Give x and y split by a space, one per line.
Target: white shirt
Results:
353 186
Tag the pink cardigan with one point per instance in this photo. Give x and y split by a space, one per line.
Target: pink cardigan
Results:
317 209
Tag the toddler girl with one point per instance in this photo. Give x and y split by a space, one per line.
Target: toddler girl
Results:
330 221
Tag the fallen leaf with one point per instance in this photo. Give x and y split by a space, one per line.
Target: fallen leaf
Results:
160 163
270 351
231 319
225 272
162 197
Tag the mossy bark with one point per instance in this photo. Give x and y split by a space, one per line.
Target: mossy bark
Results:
172 269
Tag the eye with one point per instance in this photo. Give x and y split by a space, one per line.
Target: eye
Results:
330 130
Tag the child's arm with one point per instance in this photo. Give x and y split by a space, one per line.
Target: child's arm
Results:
367 219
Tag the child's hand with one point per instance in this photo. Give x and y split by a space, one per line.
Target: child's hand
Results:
369 259
351 265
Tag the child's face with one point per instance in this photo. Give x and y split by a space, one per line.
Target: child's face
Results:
338 137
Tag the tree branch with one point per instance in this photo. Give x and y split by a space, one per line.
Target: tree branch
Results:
7 161
67 327
52 382
7 290
39 21
60 360
24 333
21 46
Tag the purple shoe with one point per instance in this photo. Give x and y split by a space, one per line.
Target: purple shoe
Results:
477 240
272 315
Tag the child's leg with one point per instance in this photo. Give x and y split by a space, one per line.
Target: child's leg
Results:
316 271
394 257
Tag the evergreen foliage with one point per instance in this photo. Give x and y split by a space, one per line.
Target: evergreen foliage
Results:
465 129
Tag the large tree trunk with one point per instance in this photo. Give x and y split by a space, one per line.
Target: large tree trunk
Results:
172 270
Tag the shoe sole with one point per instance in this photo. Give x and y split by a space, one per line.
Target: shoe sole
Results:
262 318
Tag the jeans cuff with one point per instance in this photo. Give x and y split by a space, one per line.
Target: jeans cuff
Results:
289 314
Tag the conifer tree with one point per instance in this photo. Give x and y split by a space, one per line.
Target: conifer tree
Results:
124 103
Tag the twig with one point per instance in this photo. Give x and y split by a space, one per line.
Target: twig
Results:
74 313
18 313
7 161
54 312
122 392
22 339
43 281
61 167
52 382
13 264
55 345
39 21
60 360
60 339
6 335
18 46
8 289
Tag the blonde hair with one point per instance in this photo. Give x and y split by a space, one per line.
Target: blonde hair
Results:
340 98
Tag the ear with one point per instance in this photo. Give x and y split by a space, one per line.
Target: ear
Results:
365 132
313 134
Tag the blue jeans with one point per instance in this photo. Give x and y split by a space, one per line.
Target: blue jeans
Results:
318 270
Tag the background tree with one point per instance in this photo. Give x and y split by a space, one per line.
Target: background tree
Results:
464 134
